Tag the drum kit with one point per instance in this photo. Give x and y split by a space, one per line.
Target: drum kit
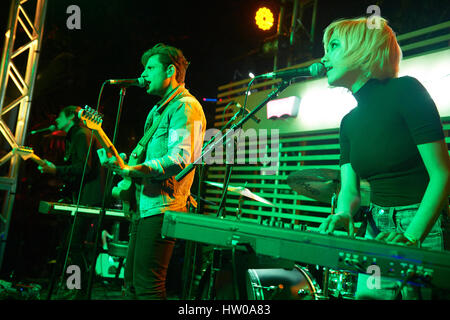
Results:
302 282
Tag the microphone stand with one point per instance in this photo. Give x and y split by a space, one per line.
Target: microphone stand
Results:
281 86
215 265
102 209
191 247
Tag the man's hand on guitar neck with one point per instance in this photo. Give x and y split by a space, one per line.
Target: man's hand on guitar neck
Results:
47 167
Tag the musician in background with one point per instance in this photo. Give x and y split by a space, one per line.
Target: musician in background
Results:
177 141
393 138
71 172
77 151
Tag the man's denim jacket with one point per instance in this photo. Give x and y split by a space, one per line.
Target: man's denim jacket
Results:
177 142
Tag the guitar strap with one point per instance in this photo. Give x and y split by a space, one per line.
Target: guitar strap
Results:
142 144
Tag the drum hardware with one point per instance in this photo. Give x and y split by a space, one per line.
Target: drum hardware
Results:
326 272
239 208
272 290
303 292
215 266
326 275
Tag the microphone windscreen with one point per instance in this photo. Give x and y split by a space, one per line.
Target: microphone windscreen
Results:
317 69
141 82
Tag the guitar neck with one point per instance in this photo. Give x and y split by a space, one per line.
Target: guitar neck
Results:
37 159
108 145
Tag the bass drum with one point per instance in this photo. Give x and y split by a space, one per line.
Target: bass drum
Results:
281 284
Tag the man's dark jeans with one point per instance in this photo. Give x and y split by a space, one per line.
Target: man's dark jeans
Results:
148 259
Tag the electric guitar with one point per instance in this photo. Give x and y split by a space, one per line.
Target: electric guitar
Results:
125 190
27 153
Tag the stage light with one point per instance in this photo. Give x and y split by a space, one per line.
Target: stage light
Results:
251 75
264 18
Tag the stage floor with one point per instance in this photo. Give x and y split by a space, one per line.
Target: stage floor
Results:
37 289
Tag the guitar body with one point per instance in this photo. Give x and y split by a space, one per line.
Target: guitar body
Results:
127 189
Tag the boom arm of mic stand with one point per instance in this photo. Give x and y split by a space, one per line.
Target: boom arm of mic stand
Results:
283 85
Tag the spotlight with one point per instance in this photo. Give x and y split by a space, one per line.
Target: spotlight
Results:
264 18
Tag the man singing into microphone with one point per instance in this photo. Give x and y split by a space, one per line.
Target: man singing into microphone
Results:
178 125
77 143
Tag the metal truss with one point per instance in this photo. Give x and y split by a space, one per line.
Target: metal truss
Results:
17 77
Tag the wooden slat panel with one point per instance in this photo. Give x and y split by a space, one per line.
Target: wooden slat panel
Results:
310 148
281 168
267 195
303 138
250 177
258 149
270 214
306 158
279 205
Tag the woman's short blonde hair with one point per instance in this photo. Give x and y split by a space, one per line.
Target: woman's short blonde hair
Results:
370 45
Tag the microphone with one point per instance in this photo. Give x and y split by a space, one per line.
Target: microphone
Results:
314 70
246 111
139 82
51 128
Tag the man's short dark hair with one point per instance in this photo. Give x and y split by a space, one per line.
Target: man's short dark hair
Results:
168 55
72 110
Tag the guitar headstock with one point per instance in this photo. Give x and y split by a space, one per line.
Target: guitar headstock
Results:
24 152
91 118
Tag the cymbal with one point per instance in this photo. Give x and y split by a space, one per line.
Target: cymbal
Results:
321 184
242 191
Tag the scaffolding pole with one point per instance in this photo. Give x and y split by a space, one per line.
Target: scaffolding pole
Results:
14 132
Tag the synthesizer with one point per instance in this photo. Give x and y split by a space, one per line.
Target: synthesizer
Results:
64 208
337 252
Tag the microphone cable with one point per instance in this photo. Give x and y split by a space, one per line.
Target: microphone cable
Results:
83 175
